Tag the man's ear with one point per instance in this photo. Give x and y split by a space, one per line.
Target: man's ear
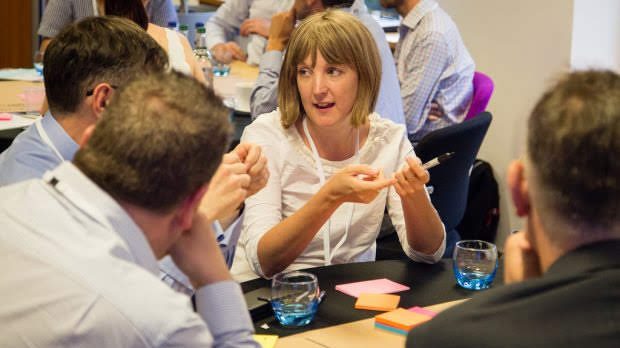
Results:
101 97
184 216
86 135
519 188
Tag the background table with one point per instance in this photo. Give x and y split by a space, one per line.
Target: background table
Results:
225 88
430 284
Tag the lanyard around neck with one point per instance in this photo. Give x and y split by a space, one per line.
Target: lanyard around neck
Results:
328 255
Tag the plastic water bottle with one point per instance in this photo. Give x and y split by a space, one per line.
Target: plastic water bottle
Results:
203 56
173 26
184 29
198 25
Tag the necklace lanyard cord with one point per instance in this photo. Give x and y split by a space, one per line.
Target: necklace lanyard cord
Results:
327 253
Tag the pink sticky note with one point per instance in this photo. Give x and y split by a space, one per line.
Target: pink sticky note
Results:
422 311
376 286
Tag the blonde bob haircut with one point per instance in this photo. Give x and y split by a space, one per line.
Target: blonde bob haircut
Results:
342 39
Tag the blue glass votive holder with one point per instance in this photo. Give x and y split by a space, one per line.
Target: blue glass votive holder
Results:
294 298
474 264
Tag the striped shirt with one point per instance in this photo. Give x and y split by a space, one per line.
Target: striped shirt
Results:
60 13
433 66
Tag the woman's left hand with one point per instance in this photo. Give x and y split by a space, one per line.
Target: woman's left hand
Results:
411 178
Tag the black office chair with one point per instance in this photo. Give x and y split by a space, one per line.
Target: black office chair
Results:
450 180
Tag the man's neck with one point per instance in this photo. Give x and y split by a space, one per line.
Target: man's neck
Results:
406 7
74 124
155 226
550 250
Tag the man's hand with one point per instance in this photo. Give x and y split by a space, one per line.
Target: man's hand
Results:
436 111
197 254
357 183
520 259
259 26
411 178
255 165
227 190
282 25
226 52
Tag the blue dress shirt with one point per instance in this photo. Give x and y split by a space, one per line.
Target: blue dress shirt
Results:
83 275
29 157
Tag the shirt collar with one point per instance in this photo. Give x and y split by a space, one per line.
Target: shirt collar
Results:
61 140
418 12
101 207
588 258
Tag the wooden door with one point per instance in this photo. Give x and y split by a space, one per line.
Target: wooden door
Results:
16 36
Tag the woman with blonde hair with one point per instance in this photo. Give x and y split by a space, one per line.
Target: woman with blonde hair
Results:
334 164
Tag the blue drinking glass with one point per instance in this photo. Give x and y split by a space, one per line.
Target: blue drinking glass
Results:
294 298
474 264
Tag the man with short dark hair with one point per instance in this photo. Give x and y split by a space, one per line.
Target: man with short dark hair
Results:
563 271
84 271
264 96
83 66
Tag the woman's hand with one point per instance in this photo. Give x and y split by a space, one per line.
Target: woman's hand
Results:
356 183
411 178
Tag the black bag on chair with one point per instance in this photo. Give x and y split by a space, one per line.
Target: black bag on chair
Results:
482 211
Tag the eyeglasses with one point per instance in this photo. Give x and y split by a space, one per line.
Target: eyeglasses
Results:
92 90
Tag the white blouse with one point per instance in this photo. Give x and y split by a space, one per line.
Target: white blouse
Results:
294 179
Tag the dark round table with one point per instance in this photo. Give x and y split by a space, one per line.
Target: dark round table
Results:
430 284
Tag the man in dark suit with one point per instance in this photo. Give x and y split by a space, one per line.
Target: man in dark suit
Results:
563 271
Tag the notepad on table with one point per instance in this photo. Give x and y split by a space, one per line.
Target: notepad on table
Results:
376 286
377 302
400 320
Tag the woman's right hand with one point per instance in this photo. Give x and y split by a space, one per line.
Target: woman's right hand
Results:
357 184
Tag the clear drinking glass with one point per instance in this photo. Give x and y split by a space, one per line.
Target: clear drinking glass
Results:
475 264
37 62
294 297
221 63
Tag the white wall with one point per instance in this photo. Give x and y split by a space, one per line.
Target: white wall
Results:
596 34
522 45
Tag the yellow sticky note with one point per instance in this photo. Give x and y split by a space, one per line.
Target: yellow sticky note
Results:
377 302
266 341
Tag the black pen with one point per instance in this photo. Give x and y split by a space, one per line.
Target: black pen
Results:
438 160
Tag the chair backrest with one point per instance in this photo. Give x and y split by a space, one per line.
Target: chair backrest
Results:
483 89
450 180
